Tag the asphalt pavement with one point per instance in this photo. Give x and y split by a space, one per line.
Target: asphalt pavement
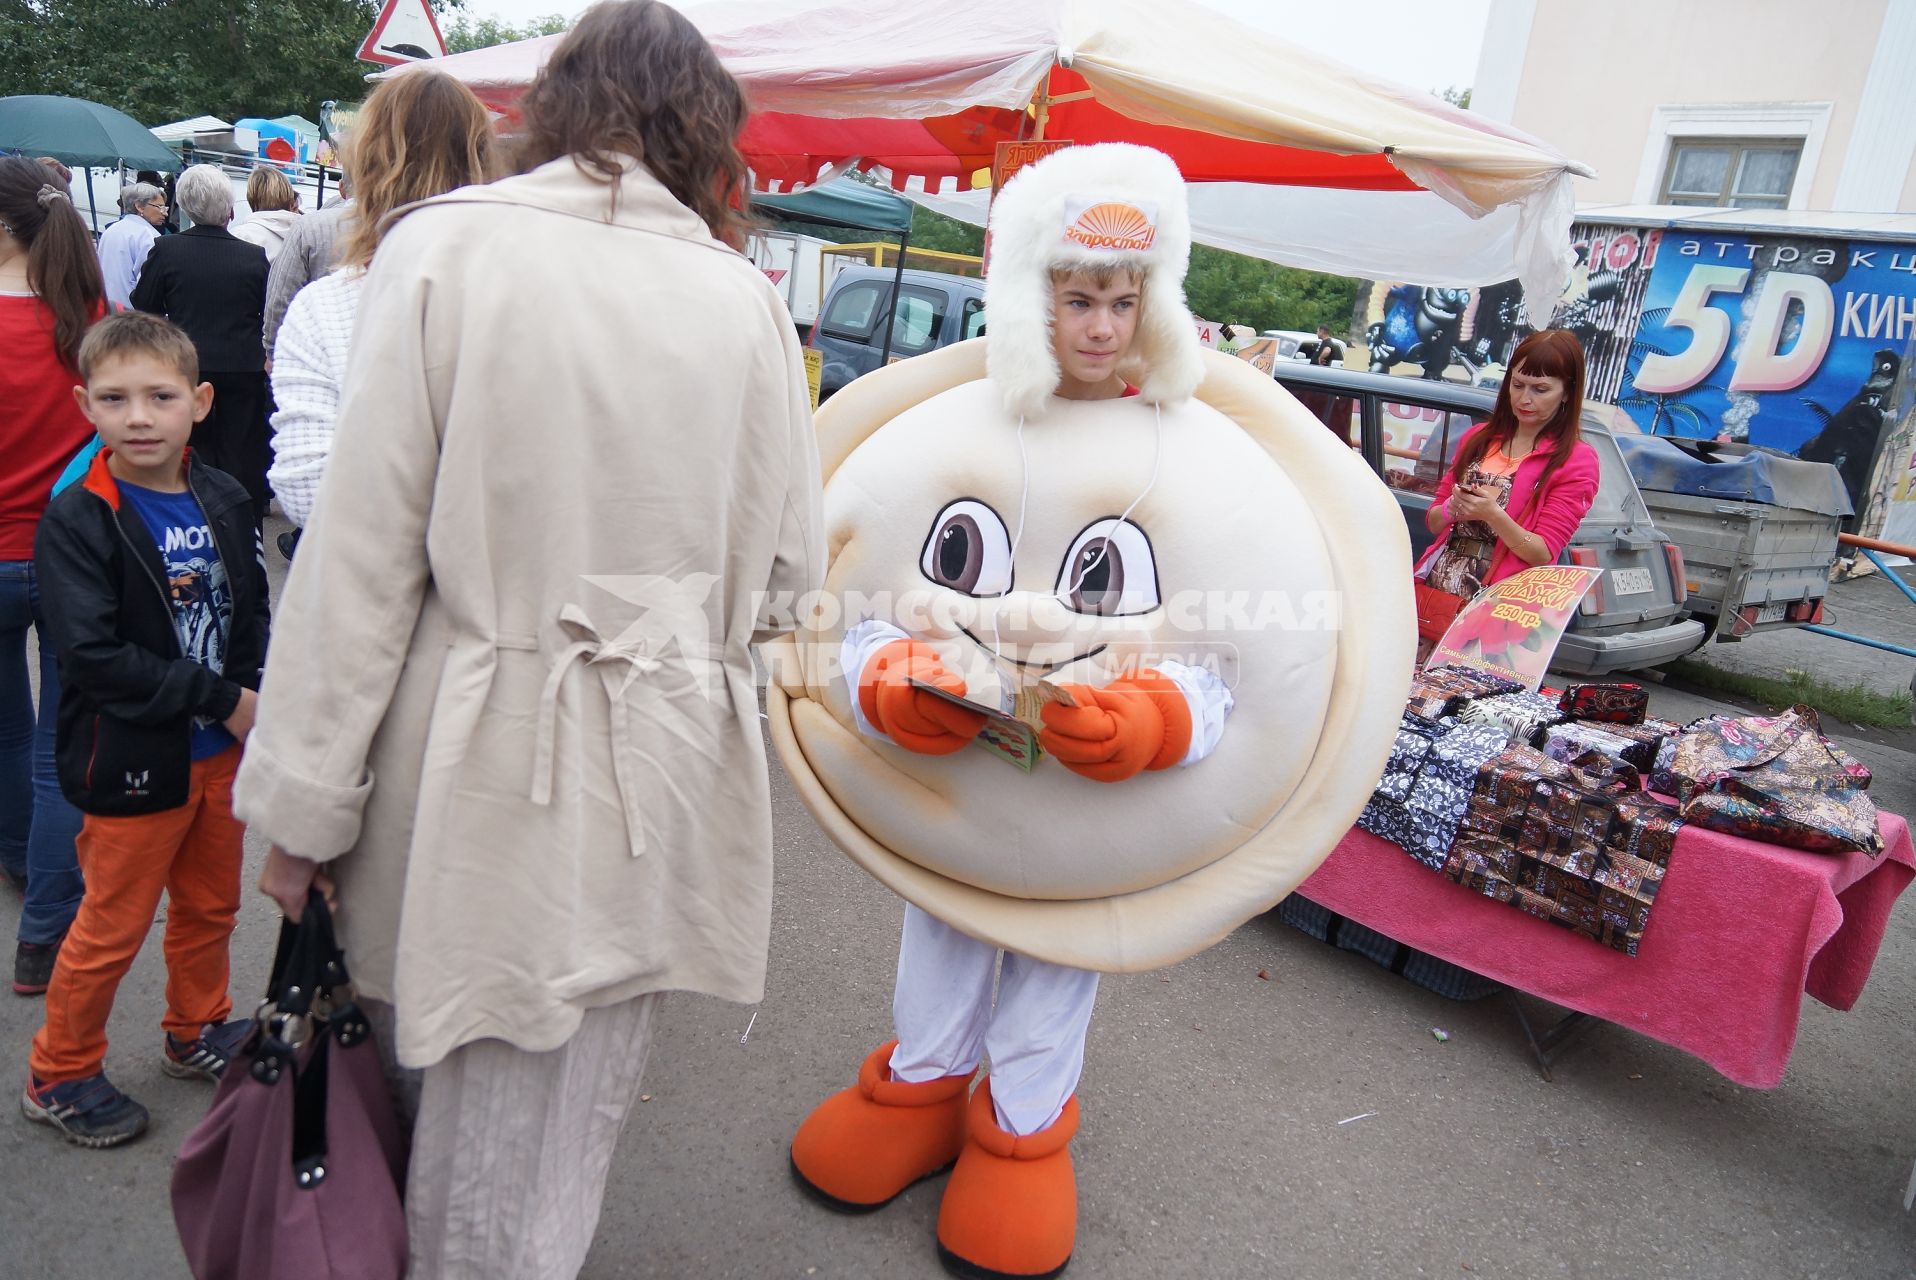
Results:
1868 606
1218 1137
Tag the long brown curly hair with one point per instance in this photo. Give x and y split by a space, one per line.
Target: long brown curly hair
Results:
419 135
635 79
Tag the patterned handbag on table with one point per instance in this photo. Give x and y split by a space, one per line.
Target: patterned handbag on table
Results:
1614 703
1646 741
1633 744
1776 779
1577 844
1566 742
1427 785
1437 692
1522 714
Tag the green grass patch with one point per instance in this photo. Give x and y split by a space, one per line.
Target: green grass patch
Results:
1854 704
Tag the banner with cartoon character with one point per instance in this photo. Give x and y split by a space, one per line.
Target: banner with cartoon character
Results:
1467 335
1792 343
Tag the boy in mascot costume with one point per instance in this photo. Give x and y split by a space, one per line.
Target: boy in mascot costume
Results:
1166 565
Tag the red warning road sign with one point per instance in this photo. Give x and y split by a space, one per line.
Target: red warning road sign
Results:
405 32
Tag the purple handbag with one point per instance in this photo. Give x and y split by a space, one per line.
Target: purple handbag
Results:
295 1171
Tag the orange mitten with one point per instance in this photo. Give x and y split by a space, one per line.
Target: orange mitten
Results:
911 717
1138 723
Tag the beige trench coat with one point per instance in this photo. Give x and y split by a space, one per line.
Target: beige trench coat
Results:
510 694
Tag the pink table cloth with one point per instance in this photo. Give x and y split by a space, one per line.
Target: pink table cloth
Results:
1739 931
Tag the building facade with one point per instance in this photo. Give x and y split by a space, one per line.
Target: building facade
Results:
1752 104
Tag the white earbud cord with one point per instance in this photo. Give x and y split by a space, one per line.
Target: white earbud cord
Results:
1011 566
1024 497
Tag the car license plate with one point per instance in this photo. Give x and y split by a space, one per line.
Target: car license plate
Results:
1630 582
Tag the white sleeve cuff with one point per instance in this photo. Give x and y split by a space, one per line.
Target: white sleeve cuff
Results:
1210 702
861 642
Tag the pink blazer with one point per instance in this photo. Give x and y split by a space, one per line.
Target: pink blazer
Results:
1554 517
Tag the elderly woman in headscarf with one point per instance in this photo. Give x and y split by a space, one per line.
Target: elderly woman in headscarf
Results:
213 285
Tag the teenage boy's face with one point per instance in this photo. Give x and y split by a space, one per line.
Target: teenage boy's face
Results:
143 408
1092 327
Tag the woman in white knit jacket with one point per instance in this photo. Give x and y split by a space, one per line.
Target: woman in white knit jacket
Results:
445 139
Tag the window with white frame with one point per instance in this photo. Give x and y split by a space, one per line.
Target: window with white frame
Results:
1739 173
1756 155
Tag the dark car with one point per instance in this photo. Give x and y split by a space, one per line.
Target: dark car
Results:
1409 430
934 310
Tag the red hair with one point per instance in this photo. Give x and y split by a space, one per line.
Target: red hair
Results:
1550 353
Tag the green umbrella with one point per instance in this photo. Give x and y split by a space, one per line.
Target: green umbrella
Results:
80 133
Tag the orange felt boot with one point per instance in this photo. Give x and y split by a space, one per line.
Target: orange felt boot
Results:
1117 732
1011 1207
912 718
863 1145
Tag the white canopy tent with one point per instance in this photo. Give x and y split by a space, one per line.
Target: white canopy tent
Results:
1290 156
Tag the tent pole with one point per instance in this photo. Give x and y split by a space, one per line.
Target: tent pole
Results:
92 209
1042 101
897 283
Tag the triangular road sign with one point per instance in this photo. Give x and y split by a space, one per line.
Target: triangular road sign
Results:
405 32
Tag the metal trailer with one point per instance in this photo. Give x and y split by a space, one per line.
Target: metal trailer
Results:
1758 529
1749 566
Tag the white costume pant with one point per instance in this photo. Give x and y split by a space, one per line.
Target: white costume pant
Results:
946 1020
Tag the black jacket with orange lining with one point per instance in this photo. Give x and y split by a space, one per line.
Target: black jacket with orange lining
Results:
128 694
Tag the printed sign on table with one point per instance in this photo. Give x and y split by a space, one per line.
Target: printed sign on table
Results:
1512 628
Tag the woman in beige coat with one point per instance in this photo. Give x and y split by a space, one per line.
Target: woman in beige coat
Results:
510 707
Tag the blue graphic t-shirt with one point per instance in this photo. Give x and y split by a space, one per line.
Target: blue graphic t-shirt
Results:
196 583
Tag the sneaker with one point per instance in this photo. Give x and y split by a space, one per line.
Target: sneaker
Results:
88 1113
33 966
288 542
204 1057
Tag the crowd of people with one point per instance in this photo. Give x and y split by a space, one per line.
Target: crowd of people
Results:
223 369
434 380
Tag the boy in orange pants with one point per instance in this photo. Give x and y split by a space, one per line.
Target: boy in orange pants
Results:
156 603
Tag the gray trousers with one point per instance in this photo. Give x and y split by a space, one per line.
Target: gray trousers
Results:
510 1149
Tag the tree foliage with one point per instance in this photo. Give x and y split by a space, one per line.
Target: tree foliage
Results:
1233 289
161 60
465 33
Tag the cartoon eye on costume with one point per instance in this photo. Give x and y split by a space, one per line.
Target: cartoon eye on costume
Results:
1110 571
969 550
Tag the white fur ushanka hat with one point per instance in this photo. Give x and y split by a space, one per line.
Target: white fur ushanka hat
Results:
1084 206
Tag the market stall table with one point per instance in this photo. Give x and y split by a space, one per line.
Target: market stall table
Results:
1739 932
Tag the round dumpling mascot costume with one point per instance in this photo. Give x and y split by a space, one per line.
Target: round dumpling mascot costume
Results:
1167 573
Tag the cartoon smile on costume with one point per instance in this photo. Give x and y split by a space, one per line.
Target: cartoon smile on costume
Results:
1252 502
924 514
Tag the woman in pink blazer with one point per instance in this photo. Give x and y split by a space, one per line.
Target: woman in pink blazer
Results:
1522 481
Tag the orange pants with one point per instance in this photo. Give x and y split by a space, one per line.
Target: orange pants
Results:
193 853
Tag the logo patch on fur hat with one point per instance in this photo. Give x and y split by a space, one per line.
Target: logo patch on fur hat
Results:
1110 224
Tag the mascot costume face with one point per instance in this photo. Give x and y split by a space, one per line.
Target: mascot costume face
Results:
1153 562
1251 545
